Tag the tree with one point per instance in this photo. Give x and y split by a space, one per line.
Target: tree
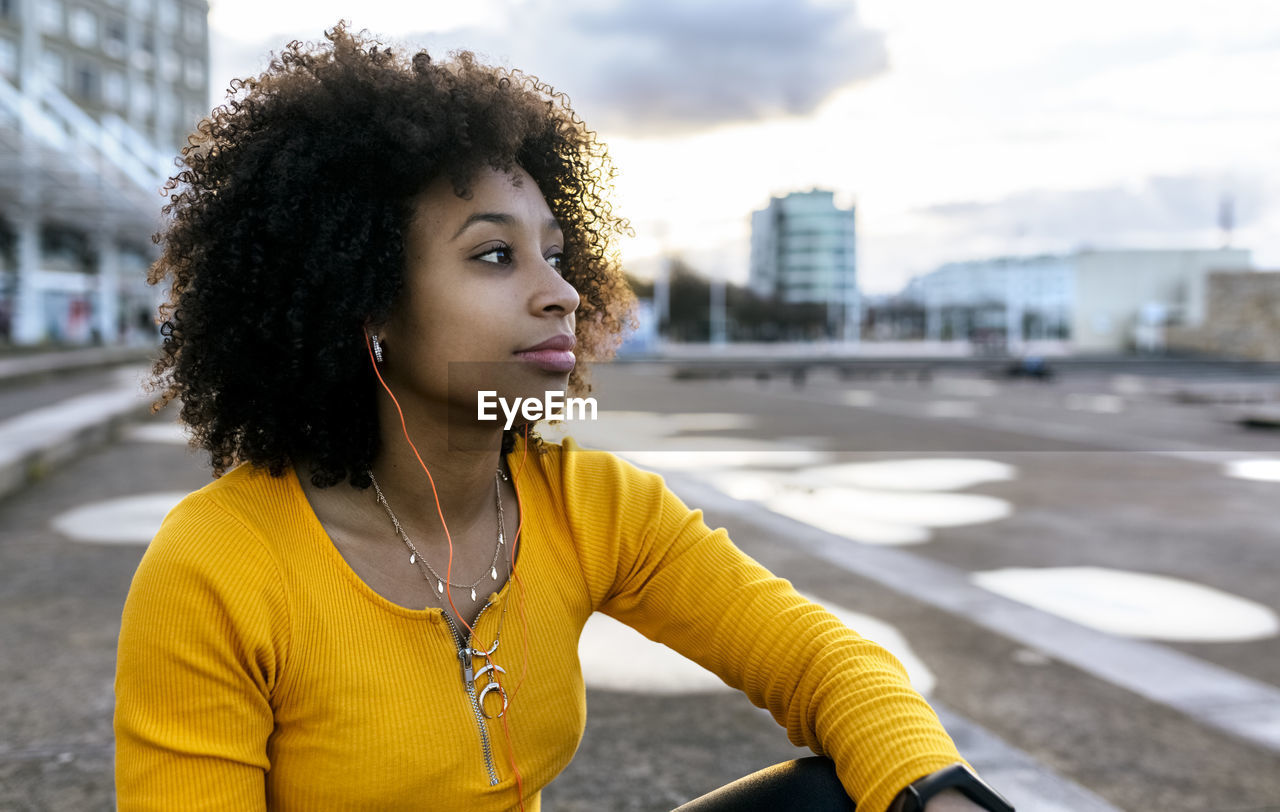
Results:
749 317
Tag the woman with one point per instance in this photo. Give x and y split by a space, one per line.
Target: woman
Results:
378 602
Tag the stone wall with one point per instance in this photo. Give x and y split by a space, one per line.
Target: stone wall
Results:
1242 318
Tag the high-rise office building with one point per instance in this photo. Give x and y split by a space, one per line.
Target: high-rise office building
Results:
803 251
96 99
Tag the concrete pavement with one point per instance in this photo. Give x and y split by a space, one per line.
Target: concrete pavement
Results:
1022 692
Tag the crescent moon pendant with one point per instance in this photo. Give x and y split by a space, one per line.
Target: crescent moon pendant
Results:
493 686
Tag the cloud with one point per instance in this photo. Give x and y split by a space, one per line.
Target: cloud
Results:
1162 209
650 67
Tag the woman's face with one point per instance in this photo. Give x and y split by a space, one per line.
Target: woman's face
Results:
482 290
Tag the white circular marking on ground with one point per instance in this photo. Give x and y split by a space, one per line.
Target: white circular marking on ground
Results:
774 490
158 433
1258 470
859 397
860 514
1129 385
616 657
942 474
1134 604
832 512
1099 404
951 409
847 511
129 520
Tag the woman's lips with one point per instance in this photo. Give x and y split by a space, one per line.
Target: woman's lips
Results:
549 360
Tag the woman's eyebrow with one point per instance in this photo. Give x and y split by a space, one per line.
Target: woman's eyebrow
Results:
550 224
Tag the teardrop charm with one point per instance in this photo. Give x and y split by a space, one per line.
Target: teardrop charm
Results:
493 573
473 593
440 587
413 558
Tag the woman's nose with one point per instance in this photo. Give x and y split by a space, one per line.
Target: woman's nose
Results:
558 294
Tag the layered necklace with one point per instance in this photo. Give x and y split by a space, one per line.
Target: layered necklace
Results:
416 557
466 653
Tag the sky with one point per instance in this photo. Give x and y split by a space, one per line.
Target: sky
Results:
958 130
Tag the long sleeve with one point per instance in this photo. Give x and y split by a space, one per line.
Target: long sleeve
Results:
682 584
204 633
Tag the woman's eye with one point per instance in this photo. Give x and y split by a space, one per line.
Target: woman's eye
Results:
557 261
499 255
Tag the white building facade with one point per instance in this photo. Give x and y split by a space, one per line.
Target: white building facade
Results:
96 99
1096 301
804 250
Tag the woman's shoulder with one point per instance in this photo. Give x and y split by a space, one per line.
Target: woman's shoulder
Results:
591 486
212 569
242 510
575 473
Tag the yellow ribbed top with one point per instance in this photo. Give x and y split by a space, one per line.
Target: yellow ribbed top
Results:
257 671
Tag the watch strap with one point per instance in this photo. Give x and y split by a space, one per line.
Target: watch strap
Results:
959 777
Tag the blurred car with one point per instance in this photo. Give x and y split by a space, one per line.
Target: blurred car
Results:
1030 366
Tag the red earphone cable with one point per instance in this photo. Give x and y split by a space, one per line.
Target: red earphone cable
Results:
440 511
449 569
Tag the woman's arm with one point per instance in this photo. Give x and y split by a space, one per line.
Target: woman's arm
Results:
203 636
685 585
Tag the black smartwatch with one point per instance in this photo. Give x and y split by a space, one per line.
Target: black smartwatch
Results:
958 777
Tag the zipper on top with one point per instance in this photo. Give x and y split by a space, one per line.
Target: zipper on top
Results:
469 682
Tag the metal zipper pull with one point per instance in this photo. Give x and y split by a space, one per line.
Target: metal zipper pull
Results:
468 679
468 673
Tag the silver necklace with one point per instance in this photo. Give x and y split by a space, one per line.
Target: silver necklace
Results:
466 653
415 557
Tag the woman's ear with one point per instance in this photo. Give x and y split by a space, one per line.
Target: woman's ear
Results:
375 341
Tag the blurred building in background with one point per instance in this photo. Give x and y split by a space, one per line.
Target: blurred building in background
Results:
1015 297
96 99
1094 301
803 251
1241 318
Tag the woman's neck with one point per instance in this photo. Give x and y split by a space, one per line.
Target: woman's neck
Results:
462 460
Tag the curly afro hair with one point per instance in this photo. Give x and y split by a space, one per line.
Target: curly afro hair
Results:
285 235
